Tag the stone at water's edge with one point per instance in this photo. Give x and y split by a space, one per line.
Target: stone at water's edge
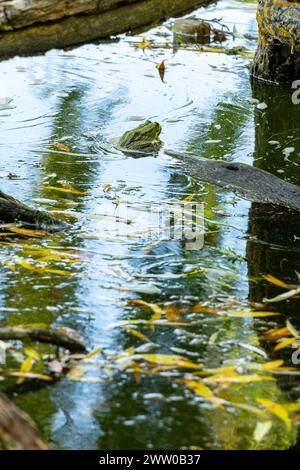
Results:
248 182
58 24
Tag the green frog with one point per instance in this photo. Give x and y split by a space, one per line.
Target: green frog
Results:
144 138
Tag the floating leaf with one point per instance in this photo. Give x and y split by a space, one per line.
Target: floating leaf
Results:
25 369
141 303
272 365
292 329
285 296
70 190
137 334
28 233
278 282
277 333
161 70
144 44
276 409
252 314
169 360
284 343
253 349
107 187
237 379
61 147
28 375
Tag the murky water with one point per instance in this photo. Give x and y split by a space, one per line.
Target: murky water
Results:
206 106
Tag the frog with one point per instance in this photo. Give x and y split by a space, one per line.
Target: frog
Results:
141 139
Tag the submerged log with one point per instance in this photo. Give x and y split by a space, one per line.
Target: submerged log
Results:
251 183
17 431
12 210
277 57
39 25
58 336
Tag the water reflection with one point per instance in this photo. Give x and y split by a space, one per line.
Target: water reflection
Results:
82 98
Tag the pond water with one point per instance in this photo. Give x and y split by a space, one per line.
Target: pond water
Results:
57 112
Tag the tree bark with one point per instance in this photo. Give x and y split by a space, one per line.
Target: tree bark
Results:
251 183
277 57
30 26
58 336
12 210
17 431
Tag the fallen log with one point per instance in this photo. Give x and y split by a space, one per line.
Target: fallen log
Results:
59 336
17 431
37 26
12 210
248 182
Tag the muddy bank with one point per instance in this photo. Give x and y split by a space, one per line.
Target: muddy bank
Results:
28 29
249 182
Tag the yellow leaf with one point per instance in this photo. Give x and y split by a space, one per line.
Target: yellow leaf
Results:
29 375
32 353
59 272
144 44
278 282
200 388
106 187
61 147
276 409
203 391
170 360
28 233
292 329
254 314
137 333
141 303
67 190
238 379
283 344
276 333
93 353
9 265
272 365
25 369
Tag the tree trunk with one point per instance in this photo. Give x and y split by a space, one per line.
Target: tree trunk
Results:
277 57
39 25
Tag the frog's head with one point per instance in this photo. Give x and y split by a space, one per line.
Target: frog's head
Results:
143 138
149 131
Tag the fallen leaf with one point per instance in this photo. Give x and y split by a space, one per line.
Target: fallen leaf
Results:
284 343
67 190
278 282
170 360
276 409
292 329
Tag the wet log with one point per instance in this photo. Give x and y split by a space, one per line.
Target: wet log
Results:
30 26
277 57
12 211
17 431
251 183
59 336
